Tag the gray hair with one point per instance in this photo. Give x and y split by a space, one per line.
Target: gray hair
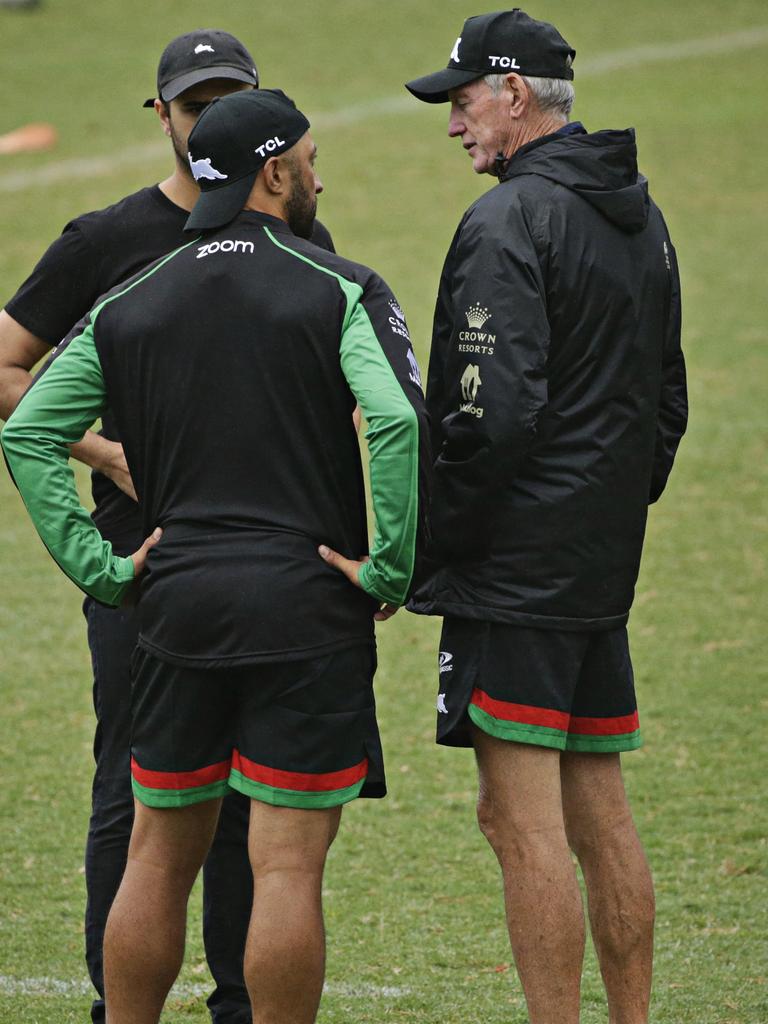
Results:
552 95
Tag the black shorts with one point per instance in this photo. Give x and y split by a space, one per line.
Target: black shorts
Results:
293 733
552 688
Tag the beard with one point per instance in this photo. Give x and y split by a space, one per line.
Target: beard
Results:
300 207
180 151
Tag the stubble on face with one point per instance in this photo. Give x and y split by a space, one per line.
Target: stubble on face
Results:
180 149
301 204
184 111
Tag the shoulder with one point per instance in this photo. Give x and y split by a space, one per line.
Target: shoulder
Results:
136 201
90 233
137 279
133 213
515 202
347 272
508 212
321 236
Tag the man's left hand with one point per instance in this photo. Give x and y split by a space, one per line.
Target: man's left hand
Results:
351 569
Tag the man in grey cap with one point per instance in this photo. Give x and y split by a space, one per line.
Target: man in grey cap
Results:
96 251
557 397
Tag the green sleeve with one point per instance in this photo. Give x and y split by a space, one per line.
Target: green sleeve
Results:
55 413
393 443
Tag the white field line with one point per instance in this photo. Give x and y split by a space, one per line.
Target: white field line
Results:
98 166
77 987
746 39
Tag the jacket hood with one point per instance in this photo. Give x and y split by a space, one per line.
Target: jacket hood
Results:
601 167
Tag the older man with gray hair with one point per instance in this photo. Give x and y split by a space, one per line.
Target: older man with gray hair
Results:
557 396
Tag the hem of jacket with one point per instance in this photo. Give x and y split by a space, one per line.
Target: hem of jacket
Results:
490 613
213 661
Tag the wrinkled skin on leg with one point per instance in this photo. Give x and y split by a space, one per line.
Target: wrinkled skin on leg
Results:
520 812
603 836
535 804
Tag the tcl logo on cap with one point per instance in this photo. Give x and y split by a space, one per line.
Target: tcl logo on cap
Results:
504 62
270 145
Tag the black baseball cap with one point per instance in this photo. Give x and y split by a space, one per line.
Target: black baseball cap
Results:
200 55
231 142
495 44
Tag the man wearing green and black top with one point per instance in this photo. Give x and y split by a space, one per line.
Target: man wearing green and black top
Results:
95 252
232 368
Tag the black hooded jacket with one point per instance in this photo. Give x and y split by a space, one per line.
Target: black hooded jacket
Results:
556 389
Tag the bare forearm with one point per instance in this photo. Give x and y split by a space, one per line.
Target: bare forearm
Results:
93 451
20 351
14 381
105 457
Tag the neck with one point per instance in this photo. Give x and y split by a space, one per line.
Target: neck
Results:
261 201
181 189
271 210
532 128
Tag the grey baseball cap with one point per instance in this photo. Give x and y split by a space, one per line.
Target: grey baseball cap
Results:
200 55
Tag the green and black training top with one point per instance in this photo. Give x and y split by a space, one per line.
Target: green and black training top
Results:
232 367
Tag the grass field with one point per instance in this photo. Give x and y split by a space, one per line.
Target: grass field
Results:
413 904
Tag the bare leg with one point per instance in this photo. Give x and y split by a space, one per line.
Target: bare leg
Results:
603 836
520 812
285 952
144 938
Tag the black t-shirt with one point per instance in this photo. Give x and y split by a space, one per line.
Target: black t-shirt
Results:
95 252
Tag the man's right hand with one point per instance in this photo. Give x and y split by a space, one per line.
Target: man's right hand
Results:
351 569
139 557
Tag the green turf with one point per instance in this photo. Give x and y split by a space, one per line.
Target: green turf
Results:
413 895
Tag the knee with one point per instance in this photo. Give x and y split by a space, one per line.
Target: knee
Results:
298 864
488 821
592 836
519 835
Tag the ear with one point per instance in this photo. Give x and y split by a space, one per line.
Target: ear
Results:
276 177
165 121
519 96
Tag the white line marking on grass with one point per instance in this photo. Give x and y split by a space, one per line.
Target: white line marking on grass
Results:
77 168
746 39
365 990
99 166
42 987
77 987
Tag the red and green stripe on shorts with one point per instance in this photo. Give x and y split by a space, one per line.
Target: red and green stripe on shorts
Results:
269 785
545 727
